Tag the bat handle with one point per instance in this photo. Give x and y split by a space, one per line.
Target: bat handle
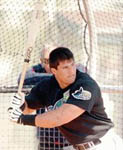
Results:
22 77
26 63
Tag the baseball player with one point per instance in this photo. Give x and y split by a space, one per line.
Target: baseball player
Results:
74 101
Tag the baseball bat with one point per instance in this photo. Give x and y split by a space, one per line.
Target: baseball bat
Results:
32 34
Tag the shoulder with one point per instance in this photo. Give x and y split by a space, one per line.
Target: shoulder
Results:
84 92
38 68
45 80
82 77
84 81
45 83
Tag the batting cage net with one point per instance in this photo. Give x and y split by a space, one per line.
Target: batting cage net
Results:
92 29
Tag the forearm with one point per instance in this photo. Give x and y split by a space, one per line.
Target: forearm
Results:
25 109
54 118
48 120
58 117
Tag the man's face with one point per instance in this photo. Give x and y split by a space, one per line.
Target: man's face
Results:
65 73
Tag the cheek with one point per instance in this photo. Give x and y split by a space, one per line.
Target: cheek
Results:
61 75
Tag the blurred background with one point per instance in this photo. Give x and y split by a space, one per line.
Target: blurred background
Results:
92 29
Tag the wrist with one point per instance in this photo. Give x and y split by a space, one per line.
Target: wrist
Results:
27 120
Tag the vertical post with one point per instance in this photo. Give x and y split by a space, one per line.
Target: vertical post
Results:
92 37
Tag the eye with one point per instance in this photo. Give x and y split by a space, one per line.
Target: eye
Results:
73 64
45 61
65 67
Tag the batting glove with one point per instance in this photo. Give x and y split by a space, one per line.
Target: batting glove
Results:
17 101
15 115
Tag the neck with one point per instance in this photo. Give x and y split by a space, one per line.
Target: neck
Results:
62 85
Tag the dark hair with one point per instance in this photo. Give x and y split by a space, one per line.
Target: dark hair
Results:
59 54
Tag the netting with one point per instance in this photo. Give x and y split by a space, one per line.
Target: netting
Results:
93 30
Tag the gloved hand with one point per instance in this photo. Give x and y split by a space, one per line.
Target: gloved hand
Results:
15 115
17 101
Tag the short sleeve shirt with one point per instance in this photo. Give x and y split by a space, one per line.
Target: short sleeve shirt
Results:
84 93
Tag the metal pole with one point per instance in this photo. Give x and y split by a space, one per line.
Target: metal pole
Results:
92 37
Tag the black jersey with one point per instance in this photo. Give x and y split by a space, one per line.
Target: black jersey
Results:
84 93
38 68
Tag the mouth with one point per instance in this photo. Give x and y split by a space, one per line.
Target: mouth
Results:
72 77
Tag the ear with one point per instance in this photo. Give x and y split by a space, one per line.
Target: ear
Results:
53 71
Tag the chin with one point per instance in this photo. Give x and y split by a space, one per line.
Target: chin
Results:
71 81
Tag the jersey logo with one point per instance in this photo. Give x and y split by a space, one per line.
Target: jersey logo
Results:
66 95
82 94
61 101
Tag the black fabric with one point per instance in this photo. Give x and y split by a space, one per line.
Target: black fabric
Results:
33 75
38 97
27 120
39 69
93 124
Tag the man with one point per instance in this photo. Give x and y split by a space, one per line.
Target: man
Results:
37 72
75 102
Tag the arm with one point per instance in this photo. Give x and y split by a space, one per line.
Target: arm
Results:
50 119
58 117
